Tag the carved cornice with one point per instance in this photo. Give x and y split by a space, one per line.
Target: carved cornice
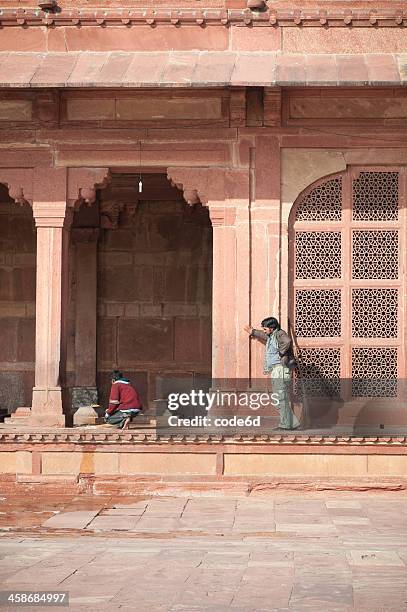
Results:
328 17
92 437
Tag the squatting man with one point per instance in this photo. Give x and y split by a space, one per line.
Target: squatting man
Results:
278 362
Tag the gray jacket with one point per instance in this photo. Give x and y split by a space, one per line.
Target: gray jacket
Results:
284 344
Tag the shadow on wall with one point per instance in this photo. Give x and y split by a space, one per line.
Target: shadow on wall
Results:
17 302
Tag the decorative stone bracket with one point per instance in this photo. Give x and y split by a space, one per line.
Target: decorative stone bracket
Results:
20 184
82 185
202 185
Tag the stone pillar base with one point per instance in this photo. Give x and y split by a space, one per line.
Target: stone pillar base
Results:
19 416
47 407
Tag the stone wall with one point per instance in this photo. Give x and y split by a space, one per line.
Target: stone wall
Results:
154 286
17 303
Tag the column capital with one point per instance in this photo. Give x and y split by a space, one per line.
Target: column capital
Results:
222 215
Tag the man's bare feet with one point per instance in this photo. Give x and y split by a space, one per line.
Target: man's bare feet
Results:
126 423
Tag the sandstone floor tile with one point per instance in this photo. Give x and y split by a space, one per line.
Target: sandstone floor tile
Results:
343 503
122 512
113 523
351 520
78 519
374 557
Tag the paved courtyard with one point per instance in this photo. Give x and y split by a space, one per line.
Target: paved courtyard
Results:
287 552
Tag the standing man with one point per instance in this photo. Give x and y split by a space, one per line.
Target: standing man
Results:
278 359
124 402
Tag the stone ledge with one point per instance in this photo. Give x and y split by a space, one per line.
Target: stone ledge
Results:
88 436
327 17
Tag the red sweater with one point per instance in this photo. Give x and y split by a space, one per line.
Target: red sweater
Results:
123 396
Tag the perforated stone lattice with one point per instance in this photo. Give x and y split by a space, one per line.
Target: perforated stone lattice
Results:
374 372
374 313
318 255
318 313
375 254
324 203
321 368
376 196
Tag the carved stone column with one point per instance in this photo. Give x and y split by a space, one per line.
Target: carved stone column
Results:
52 219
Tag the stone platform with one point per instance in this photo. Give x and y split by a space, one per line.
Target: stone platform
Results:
290 552
103 460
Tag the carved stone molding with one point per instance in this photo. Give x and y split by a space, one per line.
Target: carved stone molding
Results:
284 17
321 443
82 184
19 182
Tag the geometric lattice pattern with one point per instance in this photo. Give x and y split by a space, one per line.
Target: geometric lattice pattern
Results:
374 372
318 313
374 313
318 255
320 368
376 196
323 203
375 254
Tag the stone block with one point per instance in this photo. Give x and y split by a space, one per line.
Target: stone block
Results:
15 110
132 310
167 463
126 283
387 465
114 310
106 463
85 109
18 462
106 340
23 284
180 310
6 285
62 463
296 465
266 39
26 340
187 340
151 310
175 284
179 107
113 259
145 340
12 309
8 335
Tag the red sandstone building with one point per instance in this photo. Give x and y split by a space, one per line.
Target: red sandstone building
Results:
271 142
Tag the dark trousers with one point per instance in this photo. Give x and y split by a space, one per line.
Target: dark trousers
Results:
119 417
